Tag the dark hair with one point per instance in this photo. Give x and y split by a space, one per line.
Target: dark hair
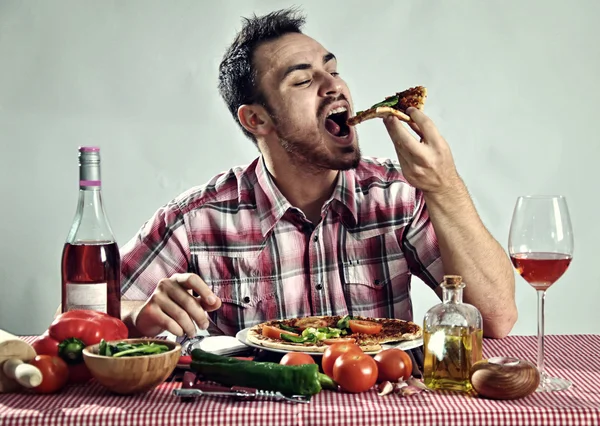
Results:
237 73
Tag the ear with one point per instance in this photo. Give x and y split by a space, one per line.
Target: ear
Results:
255 119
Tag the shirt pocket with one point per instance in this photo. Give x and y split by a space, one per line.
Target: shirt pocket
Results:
245 283
376 276
244 302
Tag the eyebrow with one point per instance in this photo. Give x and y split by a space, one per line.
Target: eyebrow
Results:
326 58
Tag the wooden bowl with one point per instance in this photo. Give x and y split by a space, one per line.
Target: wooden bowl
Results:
504 378
133 374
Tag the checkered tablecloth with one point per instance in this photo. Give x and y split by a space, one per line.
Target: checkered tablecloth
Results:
574 357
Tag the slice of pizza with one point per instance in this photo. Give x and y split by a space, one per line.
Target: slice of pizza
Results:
314 334
395 105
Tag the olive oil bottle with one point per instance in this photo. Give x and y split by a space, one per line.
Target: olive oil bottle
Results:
452 339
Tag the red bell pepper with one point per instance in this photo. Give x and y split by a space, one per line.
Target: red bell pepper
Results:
72 331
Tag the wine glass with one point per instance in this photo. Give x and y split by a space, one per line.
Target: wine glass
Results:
540 245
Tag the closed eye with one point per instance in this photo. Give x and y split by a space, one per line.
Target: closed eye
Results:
302 83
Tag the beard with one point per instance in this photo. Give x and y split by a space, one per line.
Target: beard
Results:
309 149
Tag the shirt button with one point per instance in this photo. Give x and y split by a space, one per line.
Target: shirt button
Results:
316 238
246 299
319 286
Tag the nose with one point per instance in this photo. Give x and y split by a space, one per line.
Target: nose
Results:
330 86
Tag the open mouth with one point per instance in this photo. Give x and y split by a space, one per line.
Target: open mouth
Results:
335 122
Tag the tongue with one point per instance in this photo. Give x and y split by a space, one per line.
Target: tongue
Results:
332 127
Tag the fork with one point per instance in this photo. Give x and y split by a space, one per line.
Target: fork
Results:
243 393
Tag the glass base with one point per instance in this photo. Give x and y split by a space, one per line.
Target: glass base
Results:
552 384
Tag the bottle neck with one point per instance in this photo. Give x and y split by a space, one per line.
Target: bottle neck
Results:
90 223
452 294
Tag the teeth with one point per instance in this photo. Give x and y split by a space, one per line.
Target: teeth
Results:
337 111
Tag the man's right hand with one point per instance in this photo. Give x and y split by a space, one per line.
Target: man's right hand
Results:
173 308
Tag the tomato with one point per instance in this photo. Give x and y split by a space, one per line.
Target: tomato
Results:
55 373
339 340
355 372
334 351
365 327
274 332
296 358
393 365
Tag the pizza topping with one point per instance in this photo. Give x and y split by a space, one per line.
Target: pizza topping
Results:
292 329
275 333
365 327
343 323
304 323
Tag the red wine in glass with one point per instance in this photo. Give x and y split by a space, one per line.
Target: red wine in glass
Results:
541 270
540 246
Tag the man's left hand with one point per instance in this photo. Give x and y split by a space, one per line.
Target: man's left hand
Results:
427 165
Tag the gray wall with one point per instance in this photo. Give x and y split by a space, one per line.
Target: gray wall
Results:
513 86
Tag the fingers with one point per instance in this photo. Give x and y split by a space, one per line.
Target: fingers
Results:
405 143
173 310
189 304
426 127
415 127
208 300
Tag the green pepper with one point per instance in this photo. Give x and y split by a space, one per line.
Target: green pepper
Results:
391 102
287 379
294 339
343 323
71 350
202 357
288 328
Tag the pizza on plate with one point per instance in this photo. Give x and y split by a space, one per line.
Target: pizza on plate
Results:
315 333
395 105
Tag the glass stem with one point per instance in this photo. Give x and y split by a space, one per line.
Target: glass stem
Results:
540 349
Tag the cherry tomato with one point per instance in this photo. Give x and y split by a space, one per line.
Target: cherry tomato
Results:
364 327
334 351
355 372
296 358
393 364
339 340
55 373
274 332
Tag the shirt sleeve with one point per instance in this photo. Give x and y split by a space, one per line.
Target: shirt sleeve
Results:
421 248
159 250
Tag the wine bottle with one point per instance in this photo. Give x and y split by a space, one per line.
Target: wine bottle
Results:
91 263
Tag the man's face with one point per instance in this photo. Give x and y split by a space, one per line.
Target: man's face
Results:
308 102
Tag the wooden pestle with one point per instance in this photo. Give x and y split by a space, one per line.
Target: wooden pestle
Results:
15 372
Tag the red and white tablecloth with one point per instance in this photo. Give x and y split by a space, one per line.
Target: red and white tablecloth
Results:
574 357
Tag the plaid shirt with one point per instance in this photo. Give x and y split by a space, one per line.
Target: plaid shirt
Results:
265 260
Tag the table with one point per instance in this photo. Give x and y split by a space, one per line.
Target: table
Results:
574 357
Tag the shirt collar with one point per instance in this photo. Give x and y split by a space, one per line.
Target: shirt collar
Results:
272 205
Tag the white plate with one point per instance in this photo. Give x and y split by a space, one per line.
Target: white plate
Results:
242 336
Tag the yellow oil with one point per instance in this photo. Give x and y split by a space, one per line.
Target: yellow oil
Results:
449 354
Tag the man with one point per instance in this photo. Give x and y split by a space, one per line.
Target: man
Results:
310 227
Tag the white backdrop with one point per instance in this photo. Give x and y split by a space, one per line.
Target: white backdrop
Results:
513 86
